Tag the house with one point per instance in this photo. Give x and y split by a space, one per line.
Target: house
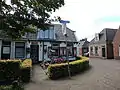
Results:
42 45
83 46
101 46
116 45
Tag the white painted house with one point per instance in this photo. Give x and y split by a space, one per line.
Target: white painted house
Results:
40 45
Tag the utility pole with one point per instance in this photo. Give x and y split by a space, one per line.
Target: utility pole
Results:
65 35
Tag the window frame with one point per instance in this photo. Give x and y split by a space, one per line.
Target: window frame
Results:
22 47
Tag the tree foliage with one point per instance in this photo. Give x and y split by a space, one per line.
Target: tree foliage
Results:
16 16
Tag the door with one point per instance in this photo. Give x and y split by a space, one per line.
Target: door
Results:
119 50
103 52
5 52
34 53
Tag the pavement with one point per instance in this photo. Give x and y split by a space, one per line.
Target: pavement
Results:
103 75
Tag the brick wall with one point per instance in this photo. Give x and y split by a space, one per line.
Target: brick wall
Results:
110 54
116 43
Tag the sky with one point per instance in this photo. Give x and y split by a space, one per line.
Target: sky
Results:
88 17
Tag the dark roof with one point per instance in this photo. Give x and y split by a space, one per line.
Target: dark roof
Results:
83 43
110 34
60 37
106 34
86 44
58 34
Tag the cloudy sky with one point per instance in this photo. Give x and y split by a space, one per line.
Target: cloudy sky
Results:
88 17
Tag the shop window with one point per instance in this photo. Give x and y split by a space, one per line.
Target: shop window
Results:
19 50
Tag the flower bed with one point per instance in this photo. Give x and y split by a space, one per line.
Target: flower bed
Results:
56 71
58 60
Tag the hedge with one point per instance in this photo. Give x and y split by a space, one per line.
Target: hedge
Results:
11 87
26 68
11 70
6 87
56 71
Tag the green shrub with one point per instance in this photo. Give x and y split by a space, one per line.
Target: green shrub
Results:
10 87
6 87
26 68
56 71
78 58
25 74
9 70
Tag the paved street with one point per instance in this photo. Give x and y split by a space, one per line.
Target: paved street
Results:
103 75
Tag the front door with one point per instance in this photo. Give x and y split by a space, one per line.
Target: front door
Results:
34 53
103 52
5 52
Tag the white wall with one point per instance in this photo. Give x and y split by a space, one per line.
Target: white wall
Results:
40 50
78 48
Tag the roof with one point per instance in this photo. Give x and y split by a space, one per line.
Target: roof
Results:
106 34
60 37
83 43
58 33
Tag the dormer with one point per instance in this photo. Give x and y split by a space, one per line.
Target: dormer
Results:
46 34
97 38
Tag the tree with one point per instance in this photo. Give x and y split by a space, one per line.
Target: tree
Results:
17 16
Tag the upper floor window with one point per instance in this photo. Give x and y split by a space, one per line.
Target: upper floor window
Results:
46 34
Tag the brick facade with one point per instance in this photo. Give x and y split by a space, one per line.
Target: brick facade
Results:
110 54
116 43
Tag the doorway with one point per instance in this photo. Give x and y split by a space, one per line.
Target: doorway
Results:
34 53
103 52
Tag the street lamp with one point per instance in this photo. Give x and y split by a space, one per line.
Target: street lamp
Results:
63 22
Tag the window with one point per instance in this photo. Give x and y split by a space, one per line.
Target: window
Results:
75 51
19 50
46 34
96 51
51 34
70 51
6 50
56 52
40 34
6 47
61 51
85 50
91 50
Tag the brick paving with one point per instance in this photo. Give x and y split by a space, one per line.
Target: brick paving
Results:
103 75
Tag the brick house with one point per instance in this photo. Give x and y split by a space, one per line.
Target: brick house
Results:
116 45
83 46
101 46
40 45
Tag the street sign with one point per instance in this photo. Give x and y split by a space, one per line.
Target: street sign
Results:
64 22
